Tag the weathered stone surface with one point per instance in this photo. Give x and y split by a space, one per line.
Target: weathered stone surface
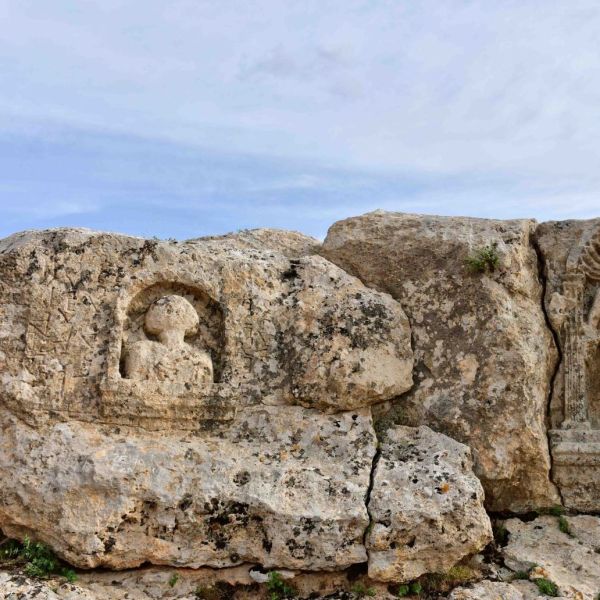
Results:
191 404
158 583
570 251
281 488
291 244
486 590
426 506
572 562
74 301
484 356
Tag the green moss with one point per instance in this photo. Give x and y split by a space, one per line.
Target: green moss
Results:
173 579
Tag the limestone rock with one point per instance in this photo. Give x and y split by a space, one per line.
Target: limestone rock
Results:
484 356
202 403
73 302
486 590
281 488
291 244
570 561
426 506
570 252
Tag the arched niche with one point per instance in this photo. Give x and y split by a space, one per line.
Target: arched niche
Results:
209 336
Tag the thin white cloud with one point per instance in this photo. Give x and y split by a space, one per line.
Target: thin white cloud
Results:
436 89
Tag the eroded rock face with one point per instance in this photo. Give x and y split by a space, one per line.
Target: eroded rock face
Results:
280 488
571 561
426 506
484 357
202 403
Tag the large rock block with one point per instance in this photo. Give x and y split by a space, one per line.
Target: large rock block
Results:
198 403
283 488
484 356
426 506
570 252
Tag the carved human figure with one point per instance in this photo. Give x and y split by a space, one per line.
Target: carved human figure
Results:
171 358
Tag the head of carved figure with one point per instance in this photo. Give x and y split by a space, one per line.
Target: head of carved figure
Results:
171 318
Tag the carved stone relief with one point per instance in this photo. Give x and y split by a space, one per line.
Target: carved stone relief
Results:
573 302
170 357
168 396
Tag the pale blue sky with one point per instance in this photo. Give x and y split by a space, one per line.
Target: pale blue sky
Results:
192 117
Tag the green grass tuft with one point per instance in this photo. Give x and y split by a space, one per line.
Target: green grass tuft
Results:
547 587
278 587
564 526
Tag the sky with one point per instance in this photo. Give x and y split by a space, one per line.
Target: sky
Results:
193 117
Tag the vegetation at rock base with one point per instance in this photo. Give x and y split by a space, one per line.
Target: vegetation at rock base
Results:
545 586
361 591
278 587
173 579
500 533
38 560
412 588
564 526
219 591
484 260
444 582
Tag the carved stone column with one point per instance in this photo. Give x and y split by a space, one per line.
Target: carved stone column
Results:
575 402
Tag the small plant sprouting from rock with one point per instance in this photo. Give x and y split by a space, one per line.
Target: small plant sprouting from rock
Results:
501 534
39 561
444 582
361 591
547 587
173 579
564 526
413 588
484 260
278 587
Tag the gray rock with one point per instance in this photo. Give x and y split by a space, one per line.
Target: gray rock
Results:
484 356
200 403
426 506
571 561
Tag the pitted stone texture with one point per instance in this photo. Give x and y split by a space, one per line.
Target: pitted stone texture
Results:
572 562
117 450
426 506
292 244
486 590
484 356
156 583
278 330
283 487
